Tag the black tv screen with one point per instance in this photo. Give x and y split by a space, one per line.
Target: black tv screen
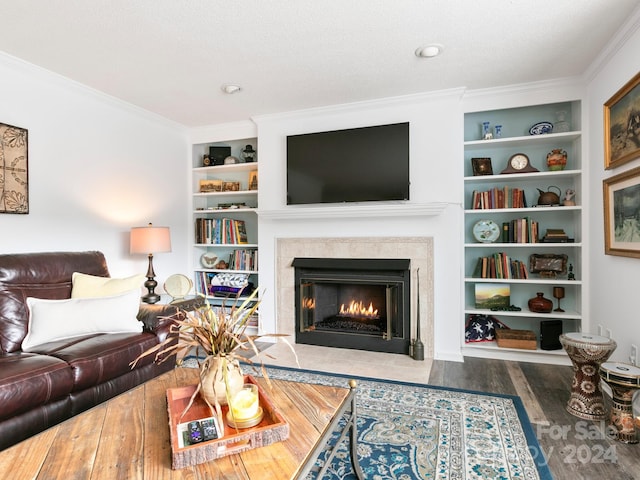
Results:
354 165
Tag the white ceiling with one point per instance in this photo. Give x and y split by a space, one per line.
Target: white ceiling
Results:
172 56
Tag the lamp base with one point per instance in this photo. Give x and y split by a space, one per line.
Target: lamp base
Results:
151 284
150 298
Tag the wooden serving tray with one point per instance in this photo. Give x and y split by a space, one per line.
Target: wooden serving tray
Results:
273 428
523 339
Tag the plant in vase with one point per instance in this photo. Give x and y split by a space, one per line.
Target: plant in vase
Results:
220 334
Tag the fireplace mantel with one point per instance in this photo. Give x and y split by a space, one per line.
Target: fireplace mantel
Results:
304 212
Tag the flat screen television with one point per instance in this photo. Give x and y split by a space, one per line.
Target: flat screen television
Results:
368 164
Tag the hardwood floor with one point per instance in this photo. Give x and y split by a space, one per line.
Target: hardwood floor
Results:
574 448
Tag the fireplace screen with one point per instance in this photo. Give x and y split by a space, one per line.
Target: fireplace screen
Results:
353 303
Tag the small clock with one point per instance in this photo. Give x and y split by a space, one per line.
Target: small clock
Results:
519 163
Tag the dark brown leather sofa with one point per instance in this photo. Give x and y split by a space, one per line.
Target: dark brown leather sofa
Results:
63 378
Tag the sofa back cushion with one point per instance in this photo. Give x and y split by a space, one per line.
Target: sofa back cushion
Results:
39 275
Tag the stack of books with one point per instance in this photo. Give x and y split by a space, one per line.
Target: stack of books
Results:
555 235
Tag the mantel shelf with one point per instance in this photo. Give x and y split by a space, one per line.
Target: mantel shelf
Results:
355 211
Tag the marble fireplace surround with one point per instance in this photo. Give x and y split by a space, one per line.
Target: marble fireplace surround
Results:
417 249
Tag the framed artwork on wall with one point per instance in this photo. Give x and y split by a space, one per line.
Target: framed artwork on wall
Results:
622 125
622 214
14 178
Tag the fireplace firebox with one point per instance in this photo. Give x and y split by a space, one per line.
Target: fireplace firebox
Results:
353 303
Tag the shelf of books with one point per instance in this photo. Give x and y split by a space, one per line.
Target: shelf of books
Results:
225 222
520 241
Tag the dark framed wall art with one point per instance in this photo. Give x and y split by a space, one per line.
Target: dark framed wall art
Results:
622 125
622 214
14 178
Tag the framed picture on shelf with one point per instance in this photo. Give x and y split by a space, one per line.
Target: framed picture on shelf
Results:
622 214
622 125
230 186
481 166
253 180
207 186
493 295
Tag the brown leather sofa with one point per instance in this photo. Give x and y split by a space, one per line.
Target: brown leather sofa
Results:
63 378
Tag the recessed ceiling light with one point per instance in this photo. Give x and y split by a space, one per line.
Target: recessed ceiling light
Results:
229 88
429 51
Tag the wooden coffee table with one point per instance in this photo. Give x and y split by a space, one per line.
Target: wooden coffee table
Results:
127 437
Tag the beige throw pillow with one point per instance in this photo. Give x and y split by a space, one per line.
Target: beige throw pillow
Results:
86 286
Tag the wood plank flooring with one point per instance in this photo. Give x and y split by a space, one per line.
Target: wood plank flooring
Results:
575 449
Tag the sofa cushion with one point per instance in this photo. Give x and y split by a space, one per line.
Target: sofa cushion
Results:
29 381
41 275
85 286
97 359
52 320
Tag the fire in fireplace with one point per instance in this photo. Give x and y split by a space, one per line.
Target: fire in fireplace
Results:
353 303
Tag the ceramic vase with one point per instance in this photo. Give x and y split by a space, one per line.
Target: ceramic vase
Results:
556 159
219 376
540 304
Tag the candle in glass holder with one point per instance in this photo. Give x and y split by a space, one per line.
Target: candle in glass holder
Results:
244 404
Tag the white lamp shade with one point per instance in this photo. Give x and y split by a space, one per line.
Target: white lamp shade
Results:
150 239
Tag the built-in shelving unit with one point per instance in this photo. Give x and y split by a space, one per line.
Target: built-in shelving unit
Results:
515 138
232 211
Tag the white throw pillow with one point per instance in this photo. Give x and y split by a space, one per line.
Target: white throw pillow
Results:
51 320
89 286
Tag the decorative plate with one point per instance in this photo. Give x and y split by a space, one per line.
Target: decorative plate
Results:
208 260
486 231
541 128
178 286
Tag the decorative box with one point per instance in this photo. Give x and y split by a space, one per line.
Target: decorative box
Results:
272 428
524 339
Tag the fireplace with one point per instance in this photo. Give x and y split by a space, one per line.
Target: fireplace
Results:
358 303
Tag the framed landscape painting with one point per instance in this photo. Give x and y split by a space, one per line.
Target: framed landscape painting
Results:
622 214
493 295
14 180
622 125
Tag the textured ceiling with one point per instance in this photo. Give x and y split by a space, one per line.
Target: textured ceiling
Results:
172 56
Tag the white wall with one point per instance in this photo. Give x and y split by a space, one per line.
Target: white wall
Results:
435 151
615 299
97 167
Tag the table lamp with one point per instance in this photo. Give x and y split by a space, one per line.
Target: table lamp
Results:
150 240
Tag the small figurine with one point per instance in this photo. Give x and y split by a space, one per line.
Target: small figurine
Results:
486 132
568 198
221 265
571 276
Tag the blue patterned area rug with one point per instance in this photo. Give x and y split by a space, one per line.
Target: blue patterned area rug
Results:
410 431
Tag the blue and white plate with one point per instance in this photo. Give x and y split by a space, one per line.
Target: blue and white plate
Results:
541 128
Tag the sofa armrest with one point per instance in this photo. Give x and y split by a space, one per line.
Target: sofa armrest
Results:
158 319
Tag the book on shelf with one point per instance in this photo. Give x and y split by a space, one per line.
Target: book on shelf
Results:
221 231
520 230
554 235
500 266
505 197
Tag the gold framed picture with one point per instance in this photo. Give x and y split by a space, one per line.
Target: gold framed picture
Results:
230 186
622 125
253 180
622 214
207 186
